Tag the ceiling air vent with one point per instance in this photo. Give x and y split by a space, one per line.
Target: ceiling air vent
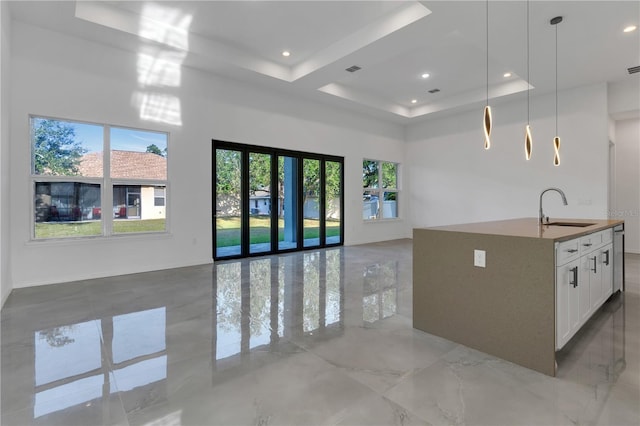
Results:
353 68
634 70
434 90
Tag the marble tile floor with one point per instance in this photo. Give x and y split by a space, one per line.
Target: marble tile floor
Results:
321 337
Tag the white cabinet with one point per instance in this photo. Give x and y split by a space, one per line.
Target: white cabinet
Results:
568 316
606 260
593 277
584 281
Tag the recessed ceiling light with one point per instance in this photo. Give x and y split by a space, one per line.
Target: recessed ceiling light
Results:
425 75
506 75
413 101
286 53
630 28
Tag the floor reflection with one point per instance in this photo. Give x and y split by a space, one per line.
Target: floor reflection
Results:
315 337
257 305
79 364
380 298
259 301
600 347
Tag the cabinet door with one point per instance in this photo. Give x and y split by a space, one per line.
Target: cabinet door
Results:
584 290
567 302
594 260
606 260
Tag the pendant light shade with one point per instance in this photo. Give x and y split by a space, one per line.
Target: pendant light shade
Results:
556 148
556 141
487 108
528 142
487 127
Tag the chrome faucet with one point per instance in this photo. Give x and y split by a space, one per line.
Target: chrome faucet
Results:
559 191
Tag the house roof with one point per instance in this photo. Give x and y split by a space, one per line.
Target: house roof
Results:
126 165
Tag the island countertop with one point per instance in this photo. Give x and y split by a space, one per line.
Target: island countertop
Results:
530 228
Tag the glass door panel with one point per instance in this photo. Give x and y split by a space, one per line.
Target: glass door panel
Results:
287 202
228 203
310 205
333 201
259 202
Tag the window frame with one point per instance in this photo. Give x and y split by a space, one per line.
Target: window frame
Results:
105 182
380 191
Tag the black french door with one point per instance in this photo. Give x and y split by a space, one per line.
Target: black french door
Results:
269 200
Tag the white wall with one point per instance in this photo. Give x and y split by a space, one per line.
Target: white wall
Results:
628 181
624 98
54 75
454 180
5 262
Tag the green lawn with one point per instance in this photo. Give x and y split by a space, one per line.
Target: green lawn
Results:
89 228
228 230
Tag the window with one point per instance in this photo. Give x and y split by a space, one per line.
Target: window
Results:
71 180
379 190
158 196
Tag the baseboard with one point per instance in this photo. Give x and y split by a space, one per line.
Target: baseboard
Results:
106 274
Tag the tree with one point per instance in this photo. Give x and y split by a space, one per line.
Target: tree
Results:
369 174
259 172
332 179
311 179
55 148
228 167
154 149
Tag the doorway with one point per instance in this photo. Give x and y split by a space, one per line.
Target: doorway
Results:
270 200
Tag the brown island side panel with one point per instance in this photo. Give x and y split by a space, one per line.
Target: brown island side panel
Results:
506 309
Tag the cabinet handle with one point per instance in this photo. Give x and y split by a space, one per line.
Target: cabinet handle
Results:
574 272
606 260
572 250
587 244
595 264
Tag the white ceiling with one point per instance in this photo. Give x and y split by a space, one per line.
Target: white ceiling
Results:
393 42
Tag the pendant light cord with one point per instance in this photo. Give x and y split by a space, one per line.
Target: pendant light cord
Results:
528 71
487 13
556 79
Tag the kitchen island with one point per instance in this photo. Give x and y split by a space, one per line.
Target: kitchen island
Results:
514 288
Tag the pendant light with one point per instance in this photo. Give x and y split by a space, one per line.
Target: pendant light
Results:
487 108
528 140
556 140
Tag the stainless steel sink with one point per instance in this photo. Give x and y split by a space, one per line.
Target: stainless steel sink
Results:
576 224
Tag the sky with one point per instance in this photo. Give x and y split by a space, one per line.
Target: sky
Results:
91 136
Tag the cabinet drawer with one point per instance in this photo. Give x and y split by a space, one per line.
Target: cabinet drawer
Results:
607 236
590 242
567 251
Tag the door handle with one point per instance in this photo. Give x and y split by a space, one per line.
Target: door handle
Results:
606 261
574 272
595 264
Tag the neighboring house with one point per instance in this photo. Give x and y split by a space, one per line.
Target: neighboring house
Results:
131 201
260 202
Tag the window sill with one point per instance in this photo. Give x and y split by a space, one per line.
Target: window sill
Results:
396 219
